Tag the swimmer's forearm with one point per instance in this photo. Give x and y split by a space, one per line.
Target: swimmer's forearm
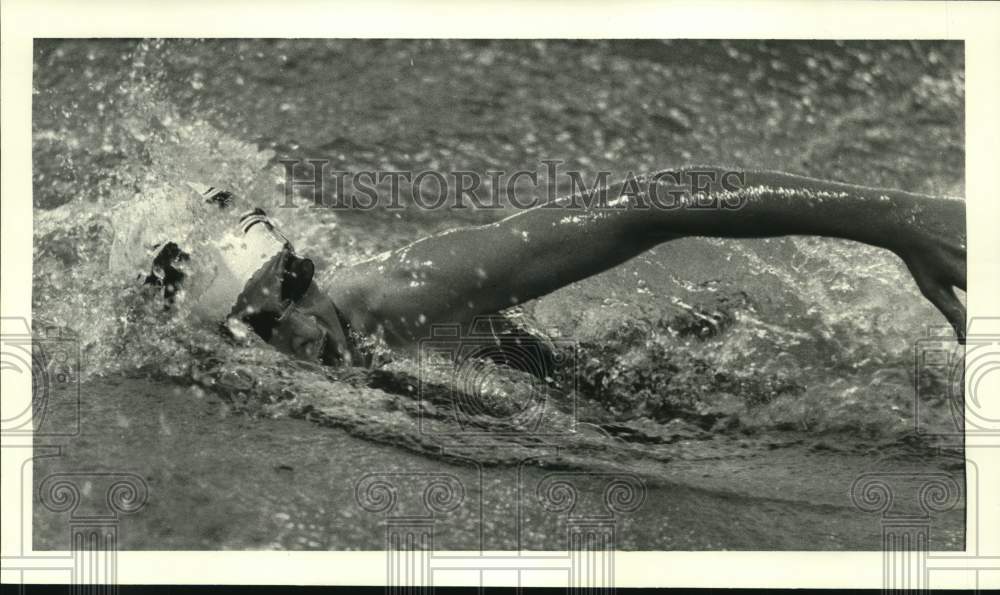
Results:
571 239
766 204
927 233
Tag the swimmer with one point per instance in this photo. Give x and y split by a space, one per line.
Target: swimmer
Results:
461 274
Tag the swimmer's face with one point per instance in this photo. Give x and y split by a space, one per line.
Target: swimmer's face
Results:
286 309
302 335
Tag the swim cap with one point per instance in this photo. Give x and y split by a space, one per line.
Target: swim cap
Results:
225 264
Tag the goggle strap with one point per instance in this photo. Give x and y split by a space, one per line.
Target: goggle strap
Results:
251 218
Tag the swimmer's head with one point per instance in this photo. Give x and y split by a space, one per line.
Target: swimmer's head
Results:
249 264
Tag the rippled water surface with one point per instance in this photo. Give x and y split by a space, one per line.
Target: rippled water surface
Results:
697 340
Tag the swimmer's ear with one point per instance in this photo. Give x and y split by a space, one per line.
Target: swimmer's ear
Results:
297 277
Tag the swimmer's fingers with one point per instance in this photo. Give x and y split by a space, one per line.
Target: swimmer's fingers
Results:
937 287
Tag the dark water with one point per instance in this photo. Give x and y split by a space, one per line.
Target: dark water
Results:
218 480
692 352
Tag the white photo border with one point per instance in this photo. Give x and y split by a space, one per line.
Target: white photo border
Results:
977 24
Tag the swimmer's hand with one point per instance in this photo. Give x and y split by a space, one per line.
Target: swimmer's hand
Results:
936 257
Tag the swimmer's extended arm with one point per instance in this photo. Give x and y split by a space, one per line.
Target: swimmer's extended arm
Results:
456 275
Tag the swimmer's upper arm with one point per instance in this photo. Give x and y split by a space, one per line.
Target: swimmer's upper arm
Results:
457 275
441 279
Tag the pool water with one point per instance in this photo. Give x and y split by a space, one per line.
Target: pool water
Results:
695 351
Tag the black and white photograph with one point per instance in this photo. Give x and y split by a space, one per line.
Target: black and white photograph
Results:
431 295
